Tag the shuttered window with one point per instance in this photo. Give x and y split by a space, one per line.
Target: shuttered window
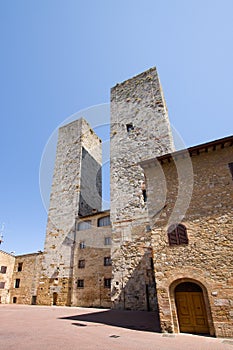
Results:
3 269
177 235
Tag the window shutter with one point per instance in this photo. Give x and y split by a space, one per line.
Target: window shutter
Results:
182 234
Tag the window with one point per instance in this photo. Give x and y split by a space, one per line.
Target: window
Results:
2 285
144 195
84 225
82 245
107 261
177 235
107 283
231 169
17 283
129 127
3 269
107 241
20 267
81 264
105 221
14 300
80 283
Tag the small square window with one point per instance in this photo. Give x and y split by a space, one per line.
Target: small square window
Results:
129 127
2 285
80 283
82 245
81 264
107 261
17 283
107 241
3 269
107 283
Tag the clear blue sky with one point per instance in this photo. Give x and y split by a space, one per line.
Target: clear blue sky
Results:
58 57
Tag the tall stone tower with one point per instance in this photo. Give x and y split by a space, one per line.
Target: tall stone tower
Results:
140 130
76 191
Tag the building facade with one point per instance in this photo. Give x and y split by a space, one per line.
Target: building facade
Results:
166 243
192 255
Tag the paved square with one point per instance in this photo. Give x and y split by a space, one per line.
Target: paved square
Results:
26 327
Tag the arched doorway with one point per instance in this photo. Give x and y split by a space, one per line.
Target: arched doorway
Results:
54 298
191 309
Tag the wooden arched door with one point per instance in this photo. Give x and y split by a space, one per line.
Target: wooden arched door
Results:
191 310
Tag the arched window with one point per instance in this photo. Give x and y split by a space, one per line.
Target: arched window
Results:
177 235
105 221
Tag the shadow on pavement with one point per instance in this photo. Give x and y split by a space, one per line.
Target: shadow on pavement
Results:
136 320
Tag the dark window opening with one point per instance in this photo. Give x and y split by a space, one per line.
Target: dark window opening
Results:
2 285
20 267
105 221
129 127
14 300
82 245
17 283
80 283
144 195
152 263
107 283
3 269
107 261
177 235
81 264
231 169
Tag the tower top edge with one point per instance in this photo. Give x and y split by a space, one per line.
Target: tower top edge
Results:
137 76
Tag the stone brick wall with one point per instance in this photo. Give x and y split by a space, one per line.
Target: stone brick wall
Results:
91 248
207 259
28 275
140 130
75 190
7 262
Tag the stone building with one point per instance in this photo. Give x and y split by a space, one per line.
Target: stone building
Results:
7 262
25 278
166 243
92 270
193 252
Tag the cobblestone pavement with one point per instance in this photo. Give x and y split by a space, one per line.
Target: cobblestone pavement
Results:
26 327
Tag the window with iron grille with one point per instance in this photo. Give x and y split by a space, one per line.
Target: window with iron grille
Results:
3 269
82 245
80 283
17 283
231 169
2 285
107 283
81 264
107 241
177 235
107 261
105 221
